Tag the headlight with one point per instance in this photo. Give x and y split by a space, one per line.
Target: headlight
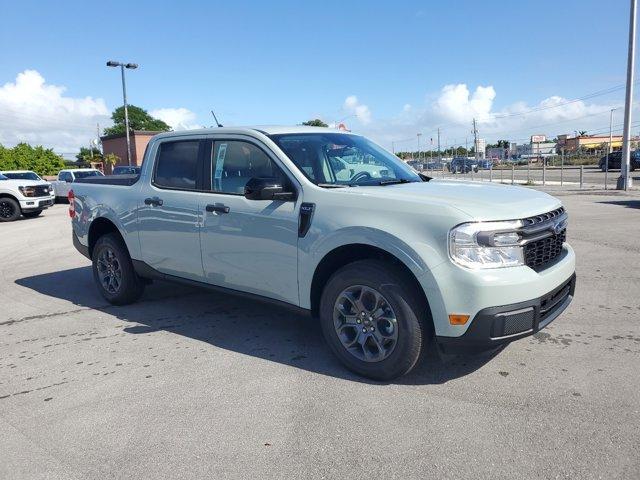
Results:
27 191
486 244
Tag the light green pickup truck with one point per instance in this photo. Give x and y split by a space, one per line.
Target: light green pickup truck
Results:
391 262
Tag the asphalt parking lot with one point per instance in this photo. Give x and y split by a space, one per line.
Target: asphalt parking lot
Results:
190 384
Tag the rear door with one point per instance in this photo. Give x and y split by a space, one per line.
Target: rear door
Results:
168 213
248 245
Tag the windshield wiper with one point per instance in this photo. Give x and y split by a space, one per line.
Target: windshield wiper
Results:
394 181
332 185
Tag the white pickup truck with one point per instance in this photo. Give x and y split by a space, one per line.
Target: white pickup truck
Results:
23 192
390 262
67 177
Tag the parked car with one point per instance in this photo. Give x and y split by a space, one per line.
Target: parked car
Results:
62 186
386 263
23 193
485 164
126 170
463 165
615 161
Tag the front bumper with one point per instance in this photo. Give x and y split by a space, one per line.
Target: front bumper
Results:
496 326
30 204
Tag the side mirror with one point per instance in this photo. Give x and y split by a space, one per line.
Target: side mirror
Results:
260 188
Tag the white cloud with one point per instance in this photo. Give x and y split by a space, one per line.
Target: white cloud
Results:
176 118
456 103
353 106
454 107
39 113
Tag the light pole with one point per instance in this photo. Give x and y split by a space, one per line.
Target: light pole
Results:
122 66
624 181
419 135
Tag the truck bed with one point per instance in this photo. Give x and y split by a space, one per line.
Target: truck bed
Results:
123 180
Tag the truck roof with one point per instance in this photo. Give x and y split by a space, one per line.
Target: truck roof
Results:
265 129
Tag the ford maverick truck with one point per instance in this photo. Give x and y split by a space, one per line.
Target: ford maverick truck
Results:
390 262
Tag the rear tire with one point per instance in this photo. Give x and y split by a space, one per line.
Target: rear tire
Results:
9 209
31 214
390 343
113 271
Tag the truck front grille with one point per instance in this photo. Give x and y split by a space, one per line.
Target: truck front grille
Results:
543 251
41 191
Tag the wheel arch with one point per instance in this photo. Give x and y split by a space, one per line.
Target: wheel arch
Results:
349 253
99 227
8 195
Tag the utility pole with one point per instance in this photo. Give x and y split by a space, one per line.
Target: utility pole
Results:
419 134
624 181
606 162
475 139
439 152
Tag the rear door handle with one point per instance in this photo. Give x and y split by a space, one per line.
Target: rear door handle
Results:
155 201
217 207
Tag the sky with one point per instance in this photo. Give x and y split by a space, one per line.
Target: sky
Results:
391 70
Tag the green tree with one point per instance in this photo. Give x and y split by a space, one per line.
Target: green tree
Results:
315 123
111 159
139 119
89 155
23 156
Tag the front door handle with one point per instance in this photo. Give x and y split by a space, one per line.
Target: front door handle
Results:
155 201
217 207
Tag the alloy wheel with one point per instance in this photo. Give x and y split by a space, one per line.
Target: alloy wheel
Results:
109 271
365 323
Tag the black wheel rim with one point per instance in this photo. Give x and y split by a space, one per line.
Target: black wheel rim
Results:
7 210
109 271
365 323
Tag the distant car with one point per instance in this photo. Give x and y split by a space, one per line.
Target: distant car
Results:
23 193
435 165
615 161
485 164
67 177
463 165
126 170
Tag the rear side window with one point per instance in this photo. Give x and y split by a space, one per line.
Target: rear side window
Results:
177 165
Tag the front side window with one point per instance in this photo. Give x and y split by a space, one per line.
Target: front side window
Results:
177 165
343 160
235 162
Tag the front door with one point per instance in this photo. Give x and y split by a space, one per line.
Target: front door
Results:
248 245
168 212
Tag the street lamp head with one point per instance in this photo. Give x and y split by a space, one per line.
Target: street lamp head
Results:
112 63
131 65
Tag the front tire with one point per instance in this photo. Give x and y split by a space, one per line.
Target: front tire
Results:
9 209
374 320
113 271
33 214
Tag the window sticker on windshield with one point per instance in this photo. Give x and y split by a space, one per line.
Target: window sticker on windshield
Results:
217 175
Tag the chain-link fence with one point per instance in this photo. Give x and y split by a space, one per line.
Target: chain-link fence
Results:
561 171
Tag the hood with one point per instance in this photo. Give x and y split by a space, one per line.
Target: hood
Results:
479 200
23 183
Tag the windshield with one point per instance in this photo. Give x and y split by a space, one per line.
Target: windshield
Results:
87 173
22 176
337 159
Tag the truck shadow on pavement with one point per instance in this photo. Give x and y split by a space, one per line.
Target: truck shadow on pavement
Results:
624 203
232 323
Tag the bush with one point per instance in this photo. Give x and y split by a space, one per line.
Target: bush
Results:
23 156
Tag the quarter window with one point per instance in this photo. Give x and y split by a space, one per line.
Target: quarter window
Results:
177 165
234 163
